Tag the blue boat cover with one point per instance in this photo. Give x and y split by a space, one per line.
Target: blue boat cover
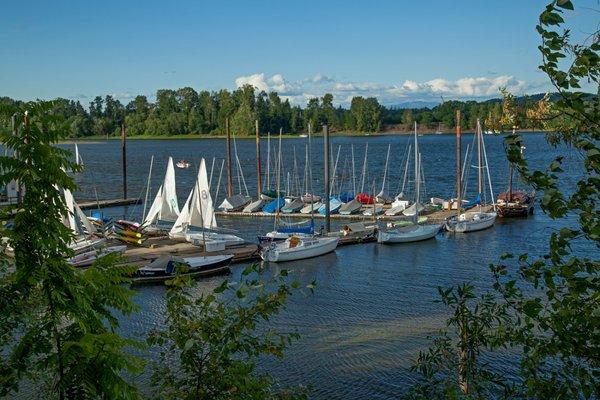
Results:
473 203
345 197
274 205
298 229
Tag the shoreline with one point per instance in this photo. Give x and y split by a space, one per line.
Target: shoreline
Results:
284 136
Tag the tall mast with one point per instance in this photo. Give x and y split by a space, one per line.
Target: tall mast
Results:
353 173
148 188
228 142
458 164
258 172
364 169
327 161
310 177
417 177
479 163
278 183
268 161
387 159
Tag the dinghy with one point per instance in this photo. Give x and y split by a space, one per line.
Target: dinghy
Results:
165 267
352 207
334 206
292 207
164 207
255 206
198 213
234 203
365 198
310 198
311 207
274 206
87 258
298 248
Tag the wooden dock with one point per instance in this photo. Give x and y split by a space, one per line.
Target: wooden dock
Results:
159 246
91 204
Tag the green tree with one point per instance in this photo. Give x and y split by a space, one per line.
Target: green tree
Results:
218 337
553 300
58 323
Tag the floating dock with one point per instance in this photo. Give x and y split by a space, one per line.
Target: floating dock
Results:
90 204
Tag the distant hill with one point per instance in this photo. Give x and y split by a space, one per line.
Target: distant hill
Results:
414 104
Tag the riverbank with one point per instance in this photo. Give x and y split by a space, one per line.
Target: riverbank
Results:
88 139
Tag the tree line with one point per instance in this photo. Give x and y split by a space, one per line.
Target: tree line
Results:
185 111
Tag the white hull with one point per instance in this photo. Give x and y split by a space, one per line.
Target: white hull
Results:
307 248
409 234
352 207
228 239
88 258
471 222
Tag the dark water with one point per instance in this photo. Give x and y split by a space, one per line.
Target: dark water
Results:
374 305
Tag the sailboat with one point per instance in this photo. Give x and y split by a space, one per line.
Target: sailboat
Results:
382 197
334 202
78 159
164 207
198 212
477 220
165 267
414 232
363 197
297 246
514 203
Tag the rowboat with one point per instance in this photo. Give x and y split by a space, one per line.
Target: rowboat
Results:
182 164
410 233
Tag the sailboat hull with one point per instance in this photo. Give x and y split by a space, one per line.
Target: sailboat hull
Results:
279 252
471 222
409 234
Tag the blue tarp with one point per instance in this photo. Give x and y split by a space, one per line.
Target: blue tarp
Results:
274 205
473 203
298 229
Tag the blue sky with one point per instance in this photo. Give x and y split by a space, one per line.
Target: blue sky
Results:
396 50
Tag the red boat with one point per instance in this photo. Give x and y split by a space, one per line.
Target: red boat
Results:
365 198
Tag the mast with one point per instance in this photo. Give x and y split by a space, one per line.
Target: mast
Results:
228 149
458 165
364 169
326 172
124 158
337 157
406 170
258 172
353 173
479 163
268 161
278 183
312 198
148 188
387 159
212 168
417 177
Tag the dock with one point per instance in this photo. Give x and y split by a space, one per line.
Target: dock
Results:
91 204
155 247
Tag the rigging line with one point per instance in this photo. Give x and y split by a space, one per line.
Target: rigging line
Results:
212 167
219 181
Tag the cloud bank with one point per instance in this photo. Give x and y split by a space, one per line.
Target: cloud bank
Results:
298 92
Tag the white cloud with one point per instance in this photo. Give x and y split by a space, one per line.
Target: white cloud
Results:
298 92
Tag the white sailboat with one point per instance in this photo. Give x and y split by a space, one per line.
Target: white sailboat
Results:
297 247
81 227
164 207
414 232
78 159
476 220
383 197
198 212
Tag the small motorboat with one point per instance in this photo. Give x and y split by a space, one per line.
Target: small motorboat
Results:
298 248
166 267
182 164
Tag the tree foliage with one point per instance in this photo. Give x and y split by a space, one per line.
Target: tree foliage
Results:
218 337
553 300
57 323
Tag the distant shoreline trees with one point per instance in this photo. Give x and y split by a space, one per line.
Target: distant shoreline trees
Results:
186 111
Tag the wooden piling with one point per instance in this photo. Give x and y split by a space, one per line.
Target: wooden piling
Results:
124 159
